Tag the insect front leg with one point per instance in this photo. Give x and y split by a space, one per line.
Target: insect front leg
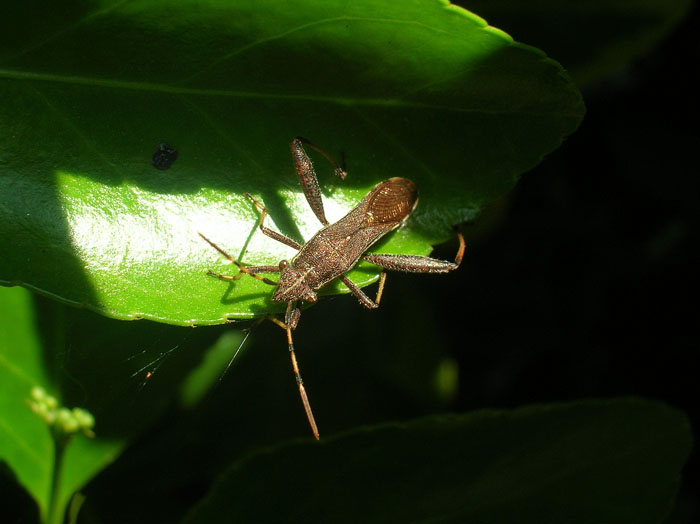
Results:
269 232
417 264
307 175
248 270
292 315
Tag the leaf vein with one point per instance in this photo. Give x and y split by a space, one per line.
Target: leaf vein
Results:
70 125
31 452
69 28
16 371
340 100
300 28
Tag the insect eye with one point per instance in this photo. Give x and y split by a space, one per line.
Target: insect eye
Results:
283 265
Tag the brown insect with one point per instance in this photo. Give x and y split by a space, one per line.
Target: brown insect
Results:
336 248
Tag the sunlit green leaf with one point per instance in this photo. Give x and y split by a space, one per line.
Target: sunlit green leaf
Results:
424 90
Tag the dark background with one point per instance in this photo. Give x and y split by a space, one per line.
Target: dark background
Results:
588 286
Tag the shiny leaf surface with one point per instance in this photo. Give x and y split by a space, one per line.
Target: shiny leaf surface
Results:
424 90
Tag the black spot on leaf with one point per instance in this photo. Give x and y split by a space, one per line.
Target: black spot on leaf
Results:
164 156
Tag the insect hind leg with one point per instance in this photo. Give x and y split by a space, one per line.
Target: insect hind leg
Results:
418 264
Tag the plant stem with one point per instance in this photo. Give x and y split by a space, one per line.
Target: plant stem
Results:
55 510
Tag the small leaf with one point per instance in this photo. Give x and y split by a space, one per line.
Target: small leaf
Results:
585 462
422 89
82 359
215 363
25 440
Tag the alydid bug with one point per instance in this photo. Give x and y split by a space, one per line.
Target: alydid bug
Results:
336 248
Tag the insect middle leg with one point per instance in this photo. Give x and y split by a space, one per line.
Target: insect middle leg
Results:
248 270
364 299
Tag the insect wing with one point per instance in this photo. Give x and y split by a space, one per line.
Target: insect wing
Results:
391 202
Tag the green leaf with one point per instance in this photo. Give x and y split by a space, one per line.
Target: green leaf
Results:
593 39
25 441
88 361
215 362
423 89
585 462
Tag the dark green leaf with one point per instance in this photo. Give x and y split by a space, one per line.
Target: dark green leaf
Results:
25 442
89 91
586 462
88 361
214 364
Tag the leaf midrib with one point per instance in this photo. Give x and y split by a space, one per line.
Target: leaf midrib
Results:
176 90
